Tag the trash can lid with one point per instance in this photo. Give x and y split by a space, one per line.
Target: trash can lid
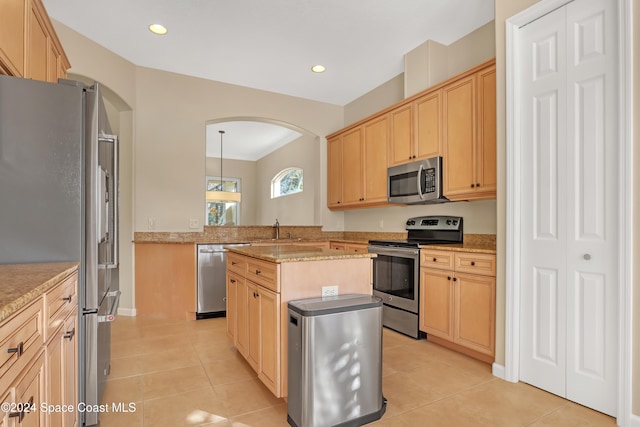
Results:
334 304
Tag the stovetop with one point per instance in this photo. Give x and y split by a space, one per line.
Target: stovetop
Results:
428 230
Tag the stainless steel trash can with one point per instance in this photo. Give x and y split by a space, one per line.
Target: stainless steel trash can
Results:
335 361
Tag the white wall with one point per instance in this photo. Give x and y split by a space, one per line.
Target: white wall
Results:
294 209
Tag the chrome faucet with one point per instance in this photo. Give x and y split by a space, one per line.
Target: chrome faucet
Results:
277 227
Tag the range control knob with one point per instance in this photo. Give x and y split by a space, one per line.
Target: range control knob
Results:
455 222
448 222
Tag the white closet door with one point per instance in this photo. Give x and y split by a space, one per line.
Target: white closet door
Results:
592 244
543 288
569 246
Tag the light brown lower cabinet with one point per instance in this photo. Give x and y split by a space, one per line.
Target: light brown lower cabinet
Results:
257 320
257 295
457 301
39 362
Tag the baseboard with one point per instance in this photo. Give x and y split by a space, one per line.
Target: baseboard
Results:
122 311
498 371
634 421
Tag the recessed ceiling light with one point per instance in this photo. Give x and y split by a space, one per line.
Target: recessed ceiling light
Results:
318 68
158 29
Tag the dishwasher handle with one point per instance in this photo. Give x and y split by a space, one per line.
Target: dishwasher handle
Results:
212 251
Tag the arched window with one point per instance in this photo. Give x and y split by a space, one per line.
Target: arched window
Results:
288 181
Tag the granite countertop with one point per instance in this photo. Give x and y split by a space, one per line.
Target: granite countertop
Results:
279 253
477 247
21 284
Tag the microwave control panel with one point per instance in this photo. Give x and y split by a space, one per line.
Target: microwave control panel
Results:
429 180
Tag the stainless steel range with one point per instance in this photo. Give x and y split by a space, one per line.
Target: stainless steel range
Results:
396 269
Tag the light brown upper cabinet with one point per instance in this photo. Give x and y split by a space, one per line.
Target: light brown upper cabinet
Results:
357 165
29 46
416 130
469 136
455 119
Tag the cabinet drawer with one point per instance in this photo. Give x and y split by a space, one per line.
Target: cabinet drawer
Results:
263 273
237 263
436 259
475 263
20 340
58 303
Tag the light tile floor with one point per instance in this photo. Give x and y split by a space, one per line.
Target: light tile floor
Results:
181 373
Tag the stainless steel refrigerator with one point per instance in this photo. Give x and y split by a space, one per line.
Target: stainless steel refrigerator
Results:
59 202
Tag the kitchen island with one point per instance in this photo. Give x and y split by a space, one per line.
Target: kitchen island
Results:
261 280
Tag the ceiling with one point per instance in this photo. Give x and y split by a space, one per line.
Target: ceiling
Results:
247 140
272 44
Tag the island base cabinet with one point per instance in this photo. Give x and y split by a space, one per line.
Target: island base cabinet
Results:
269 331
260 313
257 317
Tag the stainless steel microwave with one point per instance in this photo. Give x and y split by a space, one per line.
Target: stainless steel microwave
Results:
416 182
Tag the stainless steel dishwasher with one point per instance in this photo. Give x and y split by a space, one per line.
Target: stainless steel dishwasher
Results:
212 292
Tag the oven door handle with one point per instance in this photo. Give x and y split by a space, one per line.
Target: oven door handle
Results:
393 251
420 169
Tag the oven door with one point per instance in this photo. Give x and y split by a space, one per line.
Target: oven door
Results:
396 276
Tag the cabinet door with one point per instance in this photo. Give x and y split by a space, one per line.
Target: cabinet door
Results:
352 167
334 169
232 298
12 37
55 381
436 302
376 137
486 142
459 136
7 398
37 46
70 369
31 389
427 125
242 318
475 298
253 356
269 339
401 140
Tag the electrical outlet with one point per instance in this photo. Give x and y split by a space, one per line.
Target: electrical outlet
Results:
194 223
381 224
329 291
152 223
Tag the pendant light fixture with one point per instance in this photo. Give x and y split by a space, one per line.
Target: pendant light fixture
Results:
221 195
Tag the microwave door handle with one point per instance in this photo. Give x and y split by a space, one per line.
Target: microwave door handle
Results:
418 181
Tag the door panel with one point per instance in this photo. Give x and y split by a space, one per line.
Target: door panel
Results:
592 245
543 322
569 253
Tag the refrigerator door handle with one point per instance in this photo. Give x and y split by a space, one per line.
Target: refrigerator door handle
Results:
111 315
114 197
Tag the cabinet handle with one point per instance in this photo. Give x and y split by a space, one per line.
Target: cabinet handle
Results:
18 350
473 185
256 295
477 184
21 414
69 335
258 271
473 263
435 259
455 279
233 263
233 280
67 299
448 277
